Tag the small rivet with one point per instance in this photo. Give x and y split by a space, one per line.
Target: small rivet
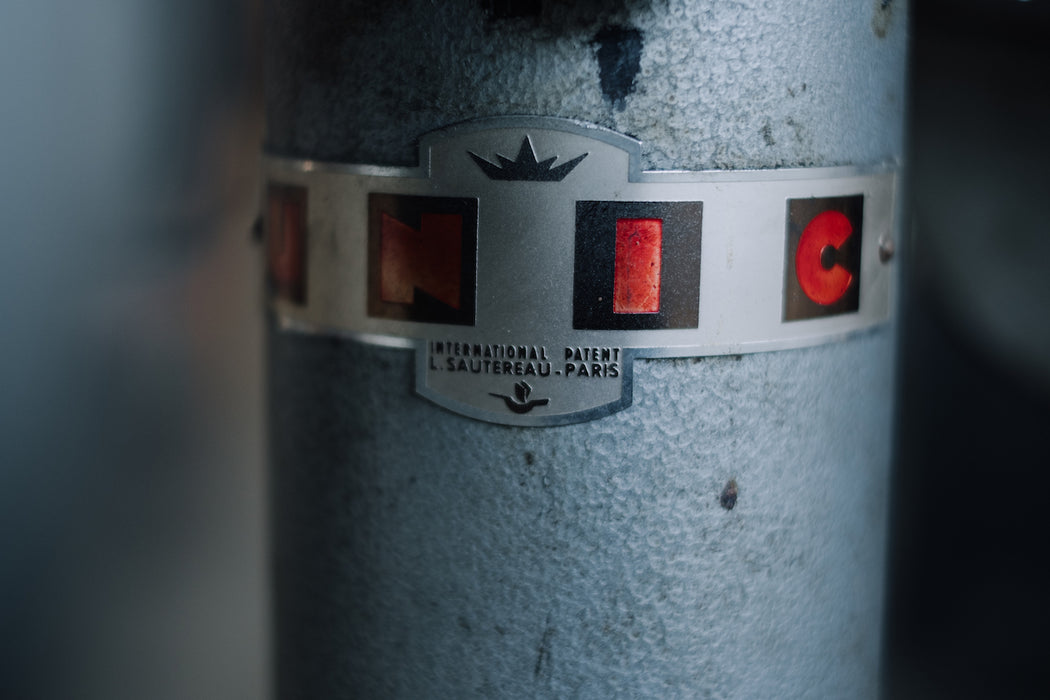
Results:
886 249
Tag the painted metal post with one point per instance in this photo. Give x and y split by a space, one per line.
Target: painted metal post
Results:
718 534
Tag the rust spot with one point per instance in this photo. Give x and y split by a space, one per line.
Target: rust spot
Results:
728 497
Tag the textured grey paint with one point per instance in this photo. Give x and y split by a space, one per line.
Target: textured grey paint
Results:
422 554
723 84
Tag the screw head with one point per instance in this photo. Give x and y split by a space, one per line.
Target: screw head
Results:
886 249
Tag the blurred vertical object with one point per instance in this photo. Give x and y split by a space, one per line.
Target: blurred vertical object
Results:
129 490
967 609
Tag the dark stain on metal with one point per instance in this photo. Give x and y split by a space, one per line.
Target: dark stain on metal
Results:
728 498
619 61
543 653
463 623
767 134
530 458
502 9
880 20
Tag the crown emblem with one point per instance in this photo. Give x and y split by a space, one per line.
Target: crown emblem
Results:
525 166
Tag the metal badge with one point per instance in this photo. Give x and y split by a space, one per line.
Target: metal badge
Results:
529 260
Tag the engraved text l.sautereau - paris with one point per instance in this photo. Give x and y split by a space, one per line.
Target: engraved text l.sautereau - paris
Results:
528 261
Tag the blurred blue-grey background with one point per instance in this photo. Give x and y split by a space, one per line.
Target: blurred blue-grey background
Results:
968 612
132 468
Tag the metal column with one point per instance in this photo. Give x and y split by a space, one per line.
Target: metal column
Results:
723 536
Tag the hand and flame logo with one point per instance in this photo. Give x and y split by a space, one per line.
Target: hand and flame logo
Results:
520 402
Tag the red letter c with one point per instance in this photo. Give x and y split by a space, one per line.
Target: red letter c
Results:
824 285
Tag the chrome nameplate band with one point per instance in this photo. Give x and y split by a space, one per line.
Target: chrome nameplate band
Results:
529 261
